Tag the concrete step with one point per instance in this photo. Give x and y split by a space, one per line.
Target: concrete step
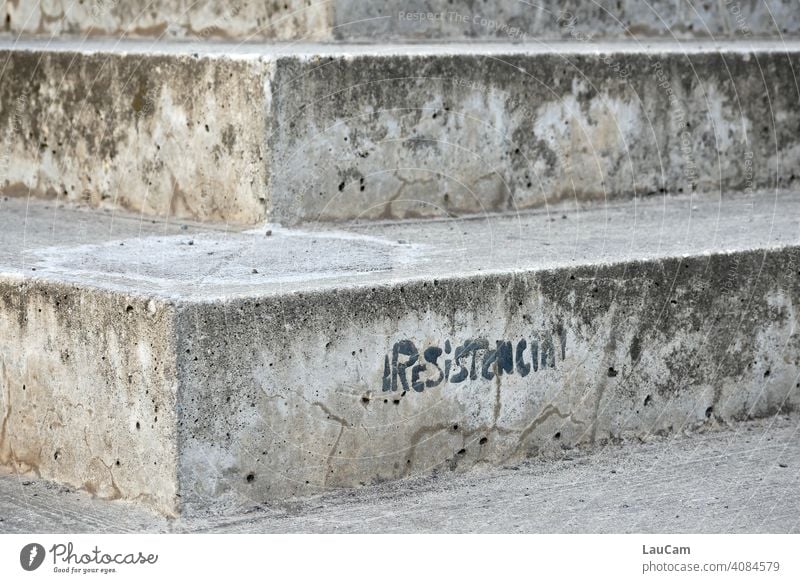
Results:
742 479
304 133
402 19
196 368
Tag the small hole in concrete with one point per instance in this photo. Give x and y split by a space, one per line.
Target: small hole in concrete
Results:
129 309
250 477
647 400
365 399
709 412
56 455
138 425
766 373
483 440
455 427
612 372
117 463
461 451
396 401
557 435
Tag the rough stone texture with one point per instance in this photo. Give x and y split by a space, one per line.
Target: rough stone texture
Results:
382 20
88 386
163 134
518 20
450 132
327 132
201 19
300 394
300 361
742 479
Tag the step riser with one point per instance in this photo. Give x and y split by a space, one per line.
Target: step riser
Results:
513 20
407 137
404 19
130 132
291 398
286 20
294 139
88 391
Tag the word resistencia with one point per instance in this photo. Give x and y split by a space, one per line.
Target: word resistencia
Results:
406 367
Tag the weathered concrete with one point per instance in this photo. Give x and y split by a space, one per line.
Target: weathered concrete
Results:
305 361
314 132
514 20
520 20
163 134
89 390
447 131
202 19
742 479
87 377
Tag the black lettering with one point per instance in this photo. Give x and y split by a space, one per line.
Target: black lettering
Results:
470 347
387 375
447 361
505 358
522 368
416 384
548 353
406 348
432 355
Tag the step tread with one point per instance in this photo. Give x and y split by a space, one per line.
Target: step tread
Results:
482 47
743 479
192 261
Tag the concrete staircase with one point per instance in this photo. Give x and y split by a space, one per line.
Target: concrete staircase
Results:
234 273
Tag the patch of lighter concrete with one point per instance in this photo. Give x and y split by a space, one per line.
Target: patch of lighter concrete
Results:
284 256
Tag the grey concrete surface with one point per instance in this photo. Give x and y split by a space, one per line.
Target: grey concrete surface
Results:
742 478
203 19
202 370
402 20
520 20
172 259
302 133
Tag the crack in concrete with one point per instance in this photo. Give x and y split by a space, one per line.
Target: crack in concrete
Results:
344 425
545 414
387 212
416 438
